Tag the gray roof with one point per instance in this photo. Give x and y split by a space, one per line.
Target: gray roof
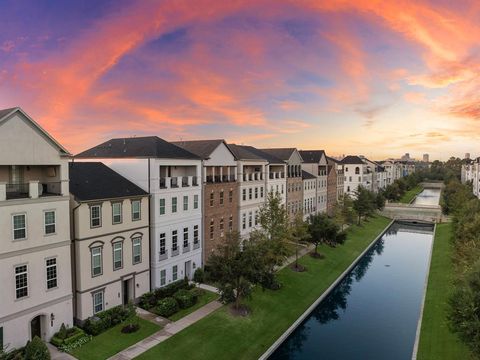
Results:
264 155
352 159
5 112
312 156
96 181
334 160
307 176
202 148
242 152
148 146
281 153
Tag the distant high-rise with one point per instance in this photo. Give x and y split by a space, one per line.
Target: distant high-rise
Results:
425 158
467 155
406 157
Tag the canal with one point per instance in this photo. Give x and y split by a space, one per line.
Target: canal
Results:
428 197
373 312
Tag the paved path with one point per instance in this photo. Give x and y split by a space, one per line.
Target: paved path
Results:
169 330
56 354
209 288
304 250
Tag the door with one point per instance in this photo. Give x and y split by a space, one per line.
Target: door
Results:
188 267
36 327
126 295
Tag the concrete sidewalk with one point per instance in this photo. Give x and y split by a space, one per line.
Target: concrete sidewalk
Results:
169 330
56 354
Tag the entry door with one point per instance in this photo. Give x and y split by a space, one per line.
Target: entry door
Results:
188 267
126 295
36 327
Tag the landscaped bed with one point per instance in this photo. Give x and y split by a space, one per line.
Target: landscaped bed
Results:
221 335
203 299
436 340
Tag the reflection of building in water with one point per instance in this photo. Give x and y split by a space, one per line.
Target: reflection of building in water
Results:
412 227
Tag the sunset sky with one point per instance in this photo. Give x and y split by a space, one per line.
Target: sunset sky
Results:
378 78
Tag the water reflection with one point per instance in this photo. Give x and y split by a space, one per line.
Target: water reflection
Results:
428 197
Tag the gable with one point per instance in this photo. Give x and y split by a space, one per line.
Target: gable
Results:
295 158
221 156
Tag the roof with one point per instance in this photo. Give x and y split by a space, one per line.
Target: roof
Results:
333 159
95 181
352 159
307 176
242 152
272 159
312 156
201 148
280 153
5 113
148 146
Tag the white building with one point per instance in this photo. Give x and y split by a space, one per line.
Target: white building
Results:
315 162
35 265
251 170
309 194
111 241
357 173
171 175
467 171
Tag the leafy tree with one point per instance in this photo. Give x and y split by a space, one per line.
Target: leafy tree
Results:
364 203
380 200
344 213
299 234
324 230
235 266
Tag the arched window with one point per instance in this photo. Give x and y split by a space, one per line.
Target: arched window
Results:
357 170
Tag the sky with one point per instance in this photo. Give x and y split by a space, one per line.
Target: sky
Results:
376 78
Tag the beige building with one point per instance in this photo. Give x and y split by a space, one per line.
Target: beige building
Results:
110 230
35 267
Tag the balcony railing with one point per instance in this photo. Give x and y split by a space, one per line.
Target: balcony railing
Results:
175 252
185 181
196 245
186 248
253 177
163 256
32 190
17 191
176 182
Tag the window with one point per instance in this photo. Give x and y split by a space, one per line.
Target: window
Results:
117 213
185 237
96 253
95 216
357 170
250 194
244 220
212 226
136 215
137 250
175 273
195 201
221 197
256 217
195 234
174 240
221 224
261 191
49 218
162 248
230 223
162 206
212 196
97 302
244 194
163 277
230 196
250 219
256 193
19 226
117 255
51 266
174 205
21 281
185 203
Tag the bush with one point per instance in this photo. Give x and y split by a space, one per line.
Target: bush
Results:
108 318
66 336
151 299
166 307
36 350
62 333
197 293
75 344
185 298
14 354
199 276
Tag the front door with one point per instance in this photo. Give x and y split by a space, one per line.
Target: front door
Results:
188 267
36 327
126 295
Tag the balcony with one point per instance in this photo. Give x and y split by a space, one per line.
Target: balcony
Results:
276 175
257 176
196 245
178 182
186 249
31 190
163 256
175 252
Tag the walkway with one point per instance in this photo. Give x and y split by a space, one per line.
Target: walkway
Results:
304 250
169 330
56 354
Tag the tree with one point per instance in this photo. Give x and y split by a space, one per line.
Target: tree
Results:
324 230
364 203
299 234
36 350
236 267
379 200
343 211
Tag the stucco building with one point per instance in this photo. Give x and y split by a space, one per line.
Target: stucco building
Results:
315 162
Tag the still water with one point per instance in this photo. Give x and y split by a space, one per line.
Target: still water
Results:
428 197
373 312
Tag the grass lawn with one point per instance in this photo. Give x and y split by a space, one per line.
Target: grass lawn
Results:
436 341
222 336
206 297
113 341
410 194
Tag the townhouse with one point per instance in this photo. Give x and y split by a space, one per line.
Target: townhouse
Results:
251 170
294 183
220 190
35 264
110 233
357 173
335 179
171 175
309 194
315 162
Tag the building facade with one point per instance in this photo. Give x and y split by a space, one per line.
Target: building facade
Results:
315 162
335 179
171 175
110 232
35 263
309 194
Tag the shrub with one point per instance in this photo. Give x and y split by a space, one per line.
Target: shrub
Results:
199 276
166 307
147 300
185 298
36 350
66 336
108 318
196 293
62 333
151 299
77 343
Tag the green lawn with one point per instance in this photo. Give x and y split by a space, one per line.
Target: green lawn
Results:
113 341
436 341
410 194
222 336
206 297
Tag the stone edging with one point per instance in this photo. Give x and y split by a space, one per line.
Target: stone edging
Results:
425 287
307 312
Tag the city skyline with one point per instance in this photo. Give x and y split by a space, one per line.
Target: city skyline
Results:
377 79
